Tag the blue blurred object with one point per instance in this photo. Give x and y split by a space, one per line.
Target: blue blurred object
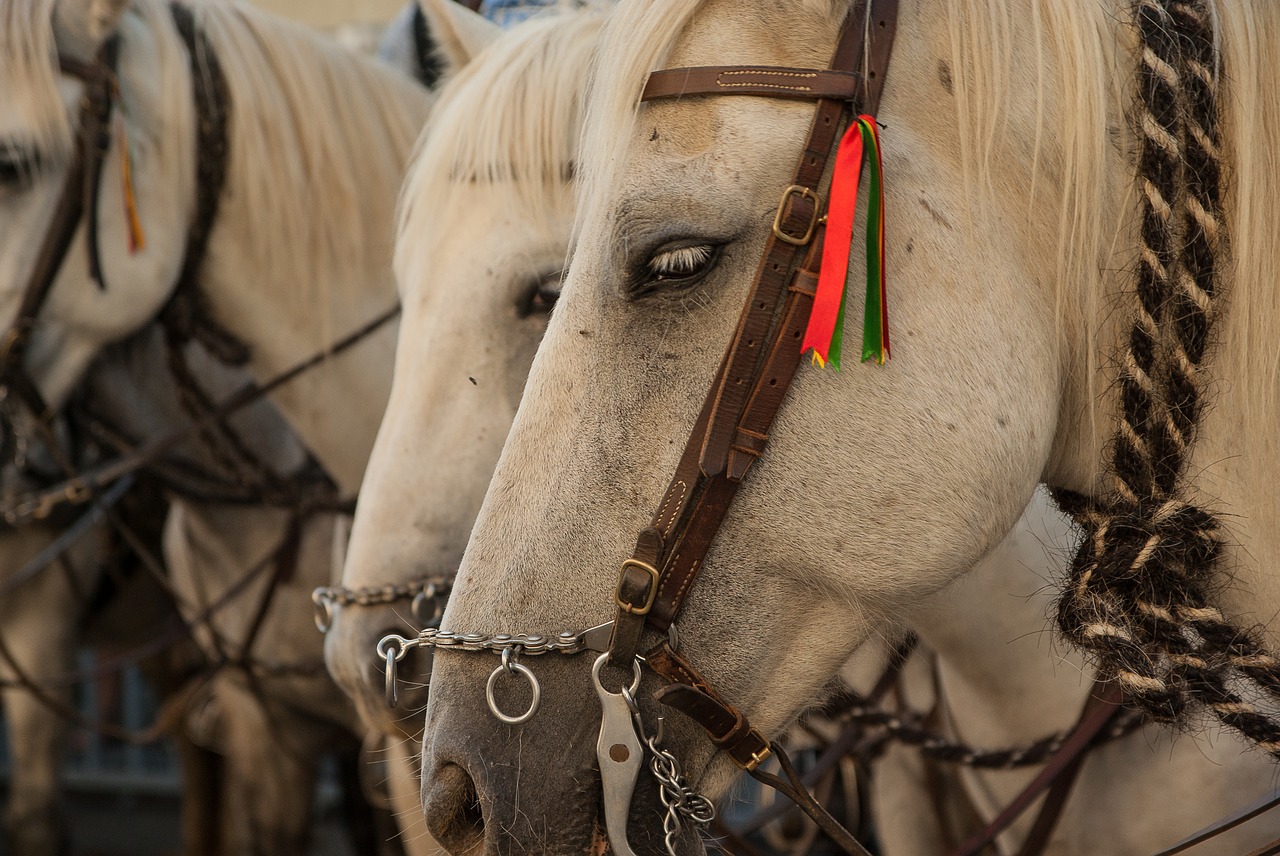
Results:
505 13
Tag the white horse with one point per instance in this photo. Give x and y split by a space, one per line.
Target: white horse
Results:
508 123
998 686
828 541
302 220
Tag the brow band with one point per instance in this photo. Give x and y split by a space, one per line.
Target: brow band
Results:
771 81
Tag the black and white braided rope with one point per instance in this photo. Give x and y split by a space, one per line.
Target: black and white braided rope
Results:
1139 596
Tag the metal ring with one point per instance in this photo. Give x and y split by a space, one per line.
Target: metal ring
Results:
324 611
393 697
635 670
514 668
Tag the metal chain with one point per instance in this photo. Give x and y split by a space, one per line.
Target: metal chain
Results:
677 797
423 592
566 642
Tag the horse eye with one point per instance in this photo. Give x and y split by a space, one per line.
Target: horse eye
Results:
682 264
17 166
542 295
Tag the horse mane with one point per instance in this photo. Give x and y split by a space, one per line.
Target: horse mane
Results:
29 61
315 129
1088 67
318 134
510 119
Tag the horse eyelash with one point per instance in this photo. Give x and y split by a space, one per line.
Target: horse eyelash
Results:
680 262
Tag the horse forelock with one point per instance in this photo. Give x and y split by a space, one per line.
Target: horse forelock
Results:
510 120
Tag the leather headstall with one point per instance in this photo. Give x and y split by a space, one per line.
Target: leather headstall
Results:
732 429
79 194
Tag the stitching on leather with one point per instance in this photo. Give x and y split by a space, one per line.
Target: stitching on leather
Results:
684 488
769 73
765 83
675 561
688 580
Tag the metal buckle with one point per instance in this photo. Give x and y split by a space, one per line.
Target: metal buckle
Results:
758 758
787 237
654 577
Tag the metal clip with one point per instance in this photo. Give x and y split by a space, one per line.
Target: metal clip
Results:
392 650
621 755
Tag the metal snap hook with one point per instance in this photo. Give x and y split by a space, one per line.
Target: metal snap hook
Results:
324 610
392 650
510 666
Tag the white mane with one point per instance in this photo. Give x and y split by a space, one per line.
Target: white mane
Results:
29 63
1088 65
511 118
316 129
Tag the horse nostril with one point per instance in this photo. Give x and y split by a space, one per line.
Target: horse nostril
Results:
454 814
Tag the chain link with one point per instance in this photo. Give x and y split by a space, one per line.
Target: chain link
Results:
423 592
567 642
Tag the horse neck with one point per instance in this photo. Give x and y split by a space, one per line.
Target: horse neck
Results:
330 271
335 408
999 679
132 388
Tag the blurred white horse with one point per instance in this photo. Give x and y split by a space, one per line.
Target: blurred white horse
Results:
285 169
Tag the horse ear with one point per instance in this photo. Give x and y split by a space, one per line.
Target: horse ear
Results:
81 26
459 33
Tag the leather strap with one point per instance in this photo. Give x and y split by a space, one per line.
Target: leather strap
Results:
86 485
1100 709
1231 821
793 789
732 428
699 494
769 81
77 191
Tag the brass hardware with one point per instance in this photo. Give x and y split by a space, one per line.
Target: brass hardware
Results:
654 576
758 758
803 193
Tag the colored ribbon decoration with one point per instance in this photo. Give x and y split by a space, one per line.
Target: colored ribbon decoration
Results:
825 331
133 223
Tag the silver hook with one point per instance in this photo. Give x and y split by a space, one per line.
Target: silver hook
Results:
324 610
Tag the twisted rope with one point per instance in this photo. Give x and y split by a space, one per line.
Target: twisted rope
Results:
1138 598
908 728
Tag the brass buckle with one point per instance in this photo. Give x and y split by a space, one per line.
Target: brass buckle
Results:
758 758
787 237
654 576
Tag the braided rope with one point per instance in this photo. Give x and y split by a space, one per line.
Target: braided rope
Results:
909 729
1138 598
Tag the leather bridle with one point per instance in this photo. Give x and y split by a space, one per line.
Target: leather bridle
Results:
732 429
76 202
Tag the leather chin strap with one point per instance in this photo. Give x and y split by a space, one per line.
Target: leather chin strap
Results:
732 429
